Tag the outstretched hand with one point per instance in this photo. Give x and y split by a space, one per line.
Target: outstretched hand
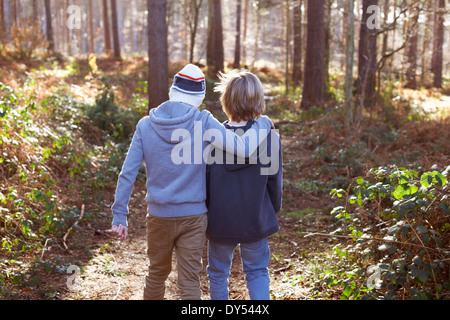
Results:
121 230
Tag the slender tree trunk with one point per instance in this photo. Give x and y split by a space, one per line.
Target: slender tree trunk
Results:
343 34
411 51
256 43
57 26
158 78
63 26
386 33
367 58
288 41
437 59
2 22
115 30
327 18
215 53
78 33
68 31
133 30
297 61
237 45
91 27
106 28
49 28
244 35
313 88
426 41
15 15
192 13
35 11
350 49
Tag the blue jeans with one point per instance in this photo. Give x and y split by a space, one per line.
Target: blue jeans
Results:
255 260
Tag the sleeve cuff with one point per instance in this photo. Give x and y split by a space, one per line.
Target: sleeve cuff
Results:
119 219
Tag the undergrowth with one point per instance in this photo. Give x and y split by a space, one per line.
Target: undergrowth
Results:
398 220
54 155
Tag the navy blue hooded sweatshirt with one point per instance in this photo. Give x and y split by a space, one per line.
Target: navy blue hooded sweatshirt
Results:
243 203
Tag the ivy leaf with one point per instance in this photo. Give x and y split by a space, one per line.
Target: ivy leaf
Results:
429 178
392 249
421 229
437 241
440 179
426 180
417 260
422 275
403 190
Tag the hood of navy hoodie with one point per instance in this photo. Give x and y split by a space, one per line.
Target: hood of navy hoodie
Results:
170 116
238 166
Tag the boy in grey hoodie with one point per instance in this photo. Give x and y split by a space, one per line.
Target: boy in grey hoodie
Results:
171 141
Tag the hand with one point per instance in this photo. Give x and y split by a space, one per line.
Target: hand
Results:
121 230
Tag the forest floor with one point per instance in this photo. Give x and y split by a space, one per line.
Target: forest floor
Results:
107 268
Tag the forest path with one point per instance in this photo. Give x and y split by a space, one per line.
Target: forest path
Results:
117 269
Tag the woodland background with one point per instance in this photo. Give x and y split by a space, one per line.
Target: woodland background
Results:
360 91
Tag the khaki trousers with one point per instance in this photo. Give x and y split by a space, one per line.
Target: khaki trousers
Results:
187 235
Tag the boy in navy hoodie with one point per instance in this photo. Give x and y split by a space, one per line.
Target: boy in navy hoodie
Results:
171 142
243 195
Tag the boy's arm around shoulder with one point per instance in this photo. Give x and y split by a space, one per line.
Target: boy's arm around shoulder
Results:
234 143
127 177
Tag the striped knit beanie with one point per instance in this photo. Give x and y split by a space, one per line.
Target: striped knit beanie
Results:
189 86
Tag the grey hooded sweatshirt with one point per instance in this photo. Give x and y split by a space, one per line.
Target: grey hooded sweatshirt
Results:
172 140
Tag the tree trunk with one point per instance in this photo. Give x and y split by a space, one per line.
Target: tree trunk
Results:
237 45
426 41
57 27
313 88
411 51
68 31
215 53
349 54
192 11
35 11
15 15
257 25
158 78
367 56
288 41
106 27
48 24
326 57
91 27
2 23
386 32
115 30
438 40
297 61
244 36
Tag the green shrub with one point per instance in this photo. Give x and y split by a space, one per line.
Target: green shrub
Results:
107 115
399 223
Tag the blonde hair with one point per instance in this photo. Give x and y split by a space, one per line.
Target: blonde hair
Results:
242 95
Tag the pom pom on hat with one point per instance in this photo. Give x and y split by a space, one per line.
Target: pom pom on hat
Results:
189 86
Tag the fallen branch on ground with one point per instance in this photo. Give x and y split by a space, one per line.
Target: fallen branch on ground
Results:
73 227
368 238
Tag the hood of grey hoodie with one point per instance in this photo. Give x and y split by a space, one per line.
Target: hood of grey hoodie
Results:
170 116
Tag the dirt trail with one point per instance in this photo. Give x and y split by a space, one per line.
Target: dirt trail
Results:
117 270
